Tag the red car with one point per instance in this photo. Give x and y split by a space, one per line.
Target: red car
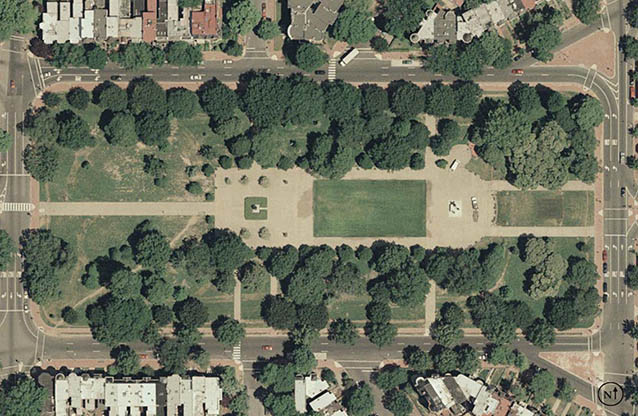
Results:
604 256
518 71
266 347
12 84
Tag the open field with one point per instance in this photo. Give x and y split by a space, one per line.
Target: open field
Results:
369 208
514 274
92 237
545 208
354 307
481 169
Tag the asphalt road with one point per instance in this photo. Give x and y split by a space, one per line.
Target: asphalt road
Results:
21 341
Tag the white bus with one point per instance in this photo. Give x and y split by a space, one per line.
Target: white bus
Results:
348 57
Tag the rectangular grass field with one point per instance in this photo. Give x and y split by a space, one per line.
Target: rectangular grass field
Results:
545 208
369 208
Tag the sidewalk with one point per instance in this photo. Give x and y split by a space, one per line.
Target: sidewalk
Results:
125 208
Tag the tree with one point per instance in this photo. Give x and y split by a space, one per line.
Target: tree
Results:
138 55
280 404
631 13
227 250
353 26
70 315
233 48
565 392
278 312
158 291
303 359
217 100
21 395
449 135
439 99
540 333
305 288
380 333
162 314
581 273
120 130
261 98
378 312
309 57
631 277
172 355
443 359
95 56
253 277
374 100
390 377
78 98
228 331
152 250
181 53
406 99
445 333
66 54
467 95
74 131
379 44
402 17
342 100
41 162
7 248
417 359
267 29
44 256
127 363
279 377
17 17
397 402
408 286
51 99
586 111
146 95
343 331
358 400
629 46
587 10
541 384
191 312
242 17
182 103
526 99
110 96
125 284
114 320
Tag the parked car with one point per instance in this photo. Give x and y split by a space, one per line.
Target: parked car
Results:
454 165
46 74
227 62
143 356
605 287
263 10
320 72
12 84
196 77
266 347
605 268
116 77
622 158
623 190
518 71
407 62
26 308
604 256
605 297
474 202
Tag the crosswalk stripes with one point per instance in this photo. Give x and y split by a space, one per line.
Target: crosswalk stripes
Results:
17 207
332 69
237 352
10 274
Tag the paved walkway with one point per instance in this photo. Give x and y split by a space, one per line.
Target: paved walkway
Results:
125 208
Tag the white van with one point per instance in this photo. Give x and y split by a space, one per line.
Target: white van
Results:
348 57
454 165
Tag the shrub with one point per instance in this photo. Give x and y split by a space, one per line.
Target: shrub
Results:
379 44
244 162
244 180
364 161
244 233
417 161
264 233
78 98
285 163
208 169
194 188
51 99
441 163
225 162
264 181
209 196
233 48
70 315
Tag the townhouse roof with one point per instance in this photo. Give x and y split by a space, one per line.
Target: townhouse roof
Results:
310 20
204 22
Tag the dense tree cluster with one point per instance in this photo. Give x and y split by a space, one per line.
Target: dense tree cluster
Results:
20 395
539 29
45 258
68 54
467 60
353 25
402 17
538 138
587 10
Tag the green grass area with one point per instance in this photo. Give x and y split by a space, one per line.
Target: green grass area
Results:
218 303
251 306
545 208
483 170
92 237
354 307
381 208
255 208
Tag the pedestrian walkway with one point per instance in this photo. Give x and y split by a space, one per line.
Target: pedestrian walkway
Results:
332 69
126 208
16 207
237 352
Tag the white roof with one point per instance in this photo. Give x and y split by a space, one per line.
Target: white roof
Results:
114 7
323 401
496 14
86 25
173 13
469 387
131 28
517 410
65 11
61 397
340 413
442 392
112 26
315 385
426 31
300 395
74 30
77 6
484 404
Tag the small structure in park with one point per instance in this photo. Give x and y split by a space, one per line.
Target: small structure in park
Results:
454 208
255 208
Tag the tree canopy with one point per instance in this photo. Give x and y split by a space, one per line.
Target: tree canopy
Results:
242 17
309 57
17 16
353 26
20 395
114 320
228 331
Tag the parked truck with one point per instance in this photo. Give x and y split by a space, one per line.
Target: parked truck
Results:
348 57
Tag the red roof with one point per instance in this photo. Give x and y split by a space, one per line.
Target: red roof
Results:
149 21
204 22
528 4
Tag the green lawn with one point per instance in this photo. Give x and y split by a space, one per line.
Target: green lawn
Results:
545 208
262 202
218 303
92 237
354 307
481 169
251 306
369 208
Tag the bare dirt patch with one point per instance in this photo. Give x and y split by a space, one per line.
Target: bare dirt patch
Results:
589 366
596 49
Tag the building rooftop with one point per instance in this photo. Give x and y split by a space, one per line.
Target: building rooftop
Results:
204 22
324 400
310 20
